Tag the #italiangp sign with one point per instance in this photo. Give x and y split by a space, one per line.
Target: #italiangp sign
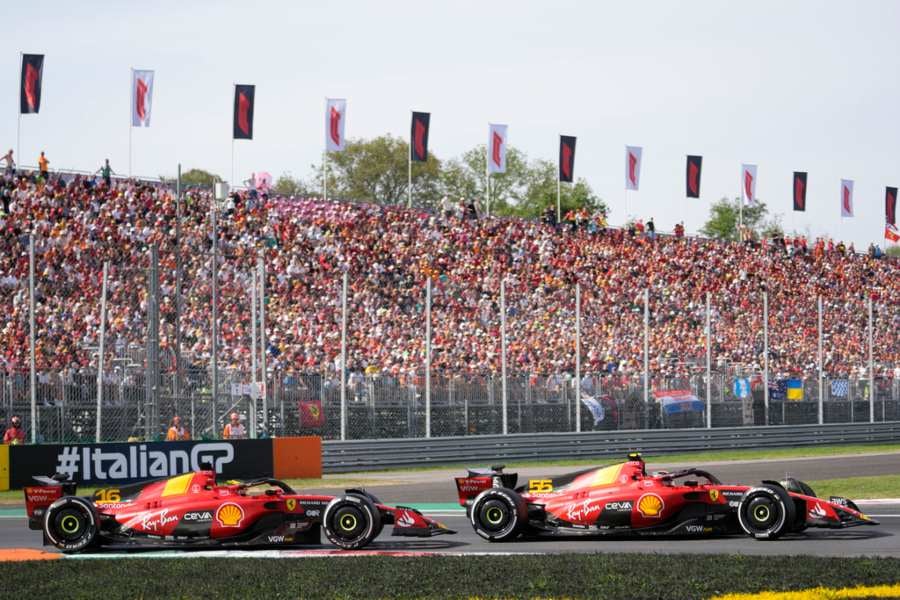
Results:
101 464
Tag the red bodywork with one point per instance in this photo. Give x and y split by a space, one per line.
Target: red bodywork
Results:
624 499
193 509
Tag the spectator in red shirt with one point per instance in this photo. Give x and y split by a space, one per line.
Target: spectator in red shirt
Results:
14 435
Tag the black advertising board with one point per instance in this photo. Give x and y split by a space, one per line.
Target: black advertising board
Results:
103 464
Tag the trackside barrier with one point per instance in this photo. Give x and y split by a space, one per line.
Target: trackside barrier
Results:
367 455
123 463
4 468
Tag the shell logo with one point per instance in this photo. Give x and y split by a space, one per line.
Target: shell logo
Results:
230 515
650 506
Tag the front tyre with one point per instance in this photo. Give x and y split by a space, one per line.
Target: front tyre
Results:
766 513
351 521
498 514
71 524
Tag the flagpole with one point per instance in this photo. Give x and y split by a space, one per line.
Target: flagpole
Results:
325 175
558 205
130 108
19 120
409 175
487 177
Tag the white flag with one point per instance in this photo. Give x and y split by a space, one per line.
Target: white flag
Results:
335 115
496 148
633 167
141 97
748 183
846 197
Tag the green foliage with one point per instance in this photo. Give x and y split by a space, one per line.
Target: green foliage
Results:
600 575
287 185
893 251
376 171
541 193
724 216
199 177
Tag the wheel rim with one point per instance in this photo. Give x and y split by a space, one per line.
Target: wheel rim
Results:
495 515
71 524
349 522
762 513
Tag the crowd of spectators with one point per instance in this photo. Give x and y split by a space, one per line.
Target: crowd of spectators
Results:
389 252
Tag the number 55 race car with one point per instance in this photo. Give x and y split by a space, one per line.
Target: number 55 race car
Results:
193 511
623 500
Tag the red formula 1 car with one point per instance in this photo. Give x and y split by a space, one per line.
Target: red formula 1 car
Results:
623 500
194 511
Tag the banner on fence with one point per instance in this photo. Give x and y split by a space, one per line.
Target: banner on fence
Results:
678 401
99 464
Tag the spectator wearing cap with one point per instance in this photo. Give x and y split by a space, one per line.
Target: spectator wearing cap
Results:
177 431
14 434
234 429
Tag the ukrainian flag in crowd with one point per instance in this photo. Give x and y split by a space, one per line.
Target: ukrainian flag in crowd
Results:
795 389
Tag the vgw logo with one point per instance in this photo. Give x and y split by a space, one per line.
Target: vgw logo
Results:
97 463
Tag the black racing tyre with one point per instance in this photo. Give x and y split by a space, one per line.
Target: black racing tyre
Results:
351 521
766 512
374 500
498 514
71 524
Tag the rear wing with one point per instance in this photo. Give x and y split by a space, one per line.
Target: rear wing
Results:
479 480
39 497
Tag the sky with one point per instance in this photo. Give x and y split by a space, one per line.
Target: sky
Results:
786 85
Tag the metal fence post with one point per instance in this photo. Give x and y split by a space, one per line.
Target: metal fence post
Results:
766 355
871 364
261 299
708 365
428 357
215 319
646 346
578 357
33 374
503 353
102 349
343 371
821 366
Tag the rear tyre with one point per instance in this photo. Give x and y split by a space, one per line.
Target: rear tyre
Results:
71 524
498 514
351 522
767 512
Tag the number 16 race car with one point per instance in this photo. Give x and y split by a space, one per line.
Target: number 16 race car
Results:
194 511
623 500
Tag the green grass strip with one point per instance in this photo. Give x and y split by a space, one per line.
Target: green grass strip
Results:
609 576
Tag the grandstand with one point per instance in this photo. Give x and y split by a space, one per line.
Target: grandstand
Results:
388 253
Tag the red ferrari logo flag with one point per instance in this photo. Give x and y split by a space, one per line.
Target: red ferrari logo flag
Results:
633 167
30 88
418 136
243 111
748 183
891 234
141 97
890 205
311 415
335 116
692 175
566 158
496 148
799 191
846 197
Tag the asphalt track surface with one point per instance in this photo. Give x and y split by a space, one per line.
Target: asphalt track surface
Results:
437 486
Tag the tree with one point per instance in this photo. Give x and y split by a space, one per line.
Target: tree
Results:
287 185
724 216
893 251
541 193
466 177
525 189
199 177
376 171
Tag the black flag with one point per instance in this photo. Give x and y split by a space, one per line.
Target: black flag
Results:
418 136
692 175
800 191
30 90
243 111
890 205
567 158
